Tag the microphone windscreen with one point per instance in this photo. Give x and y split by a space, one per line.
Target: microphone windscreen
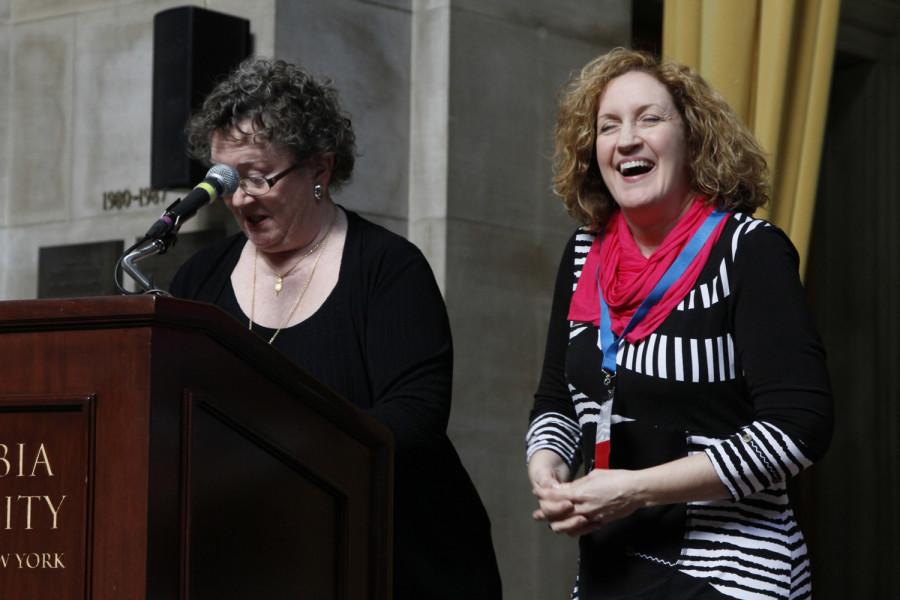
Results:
226 176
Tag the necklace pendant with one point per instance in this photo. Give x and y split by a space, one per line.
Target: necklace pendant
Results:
279 284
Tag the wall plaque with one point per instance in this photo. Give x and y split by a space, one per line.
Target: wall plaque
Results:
78 270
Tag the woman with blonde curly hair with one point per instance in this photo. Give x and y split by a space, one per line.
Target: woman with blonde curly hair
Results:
682 368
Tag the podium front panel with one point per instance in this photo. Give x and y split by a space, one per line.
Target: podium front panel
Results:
46 457
260 523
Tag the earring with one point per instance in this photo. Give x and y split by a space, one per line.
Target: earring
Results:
318 194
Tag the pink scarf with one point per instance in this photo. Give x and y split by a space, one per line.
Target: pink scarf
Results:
627 277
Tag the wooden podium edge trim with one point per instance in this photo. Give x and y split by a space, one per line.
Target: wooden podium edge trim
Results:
105 312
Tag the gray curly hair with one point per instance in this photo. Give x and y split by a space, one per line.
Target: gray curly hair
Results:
286 106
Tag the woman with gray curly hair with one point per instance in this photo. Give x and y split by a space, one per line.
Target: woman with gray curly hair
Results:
353 304
682 368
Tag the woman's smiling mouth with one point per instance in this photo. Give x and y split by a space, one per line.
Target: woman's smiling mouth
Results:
635 167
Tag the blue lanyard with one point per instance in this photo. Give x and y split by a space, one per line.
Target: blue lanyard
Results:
607 341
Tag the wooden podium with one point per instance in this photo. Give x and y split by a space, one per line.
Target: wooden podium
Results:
153 448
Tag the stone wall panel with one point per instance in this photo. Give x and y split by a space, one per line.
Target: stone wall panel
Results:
592 22
505 233
364 49
41 122
498 286
22 10
505 79
5 115
113 104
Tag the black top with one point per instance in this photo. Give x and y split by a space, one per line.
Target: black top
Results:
736 371
382 340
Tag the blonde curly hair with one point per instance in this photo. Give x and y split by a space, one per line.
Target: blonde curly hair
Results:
726 162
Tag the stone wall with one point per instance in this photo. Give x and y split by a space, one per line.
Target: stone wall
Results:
363 47
75 117
505 234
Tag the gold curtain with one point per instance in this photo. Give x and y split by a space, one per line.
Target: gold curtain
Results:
772 60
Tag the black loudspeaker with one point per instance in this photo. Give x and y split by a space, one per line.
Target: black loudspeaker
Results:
193 49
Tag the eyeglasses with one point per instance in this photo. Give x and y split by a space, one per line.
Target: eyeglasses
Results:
257 185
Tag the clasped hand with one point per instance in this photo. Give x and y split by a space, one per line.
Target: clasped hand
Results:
585 504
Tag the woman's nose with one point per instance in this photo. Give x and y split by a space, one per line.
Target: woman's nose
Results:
628 137
240 198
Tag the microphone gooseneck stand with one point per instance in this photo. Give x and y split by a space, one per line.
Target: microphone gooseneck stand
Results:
138 252
149 245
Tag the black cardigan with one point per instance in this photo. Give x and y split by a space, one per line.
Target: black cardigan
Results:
382 340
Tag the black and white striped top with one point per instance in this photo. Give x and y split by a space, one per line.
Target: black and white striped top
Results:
736 371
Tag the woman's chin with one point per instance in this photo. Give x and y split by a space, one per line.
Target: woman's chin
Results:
632 203
642 203
270 247
261 242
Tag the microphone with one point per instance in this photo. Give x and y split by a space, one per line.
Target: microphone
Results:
221 180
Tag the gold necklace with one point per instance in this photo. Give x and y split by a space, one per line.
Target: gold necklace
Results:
279 279
309 279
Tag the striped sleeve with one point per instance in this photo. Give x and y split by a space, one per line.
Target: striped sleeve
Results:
757 457
556 432
781 356
553 423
